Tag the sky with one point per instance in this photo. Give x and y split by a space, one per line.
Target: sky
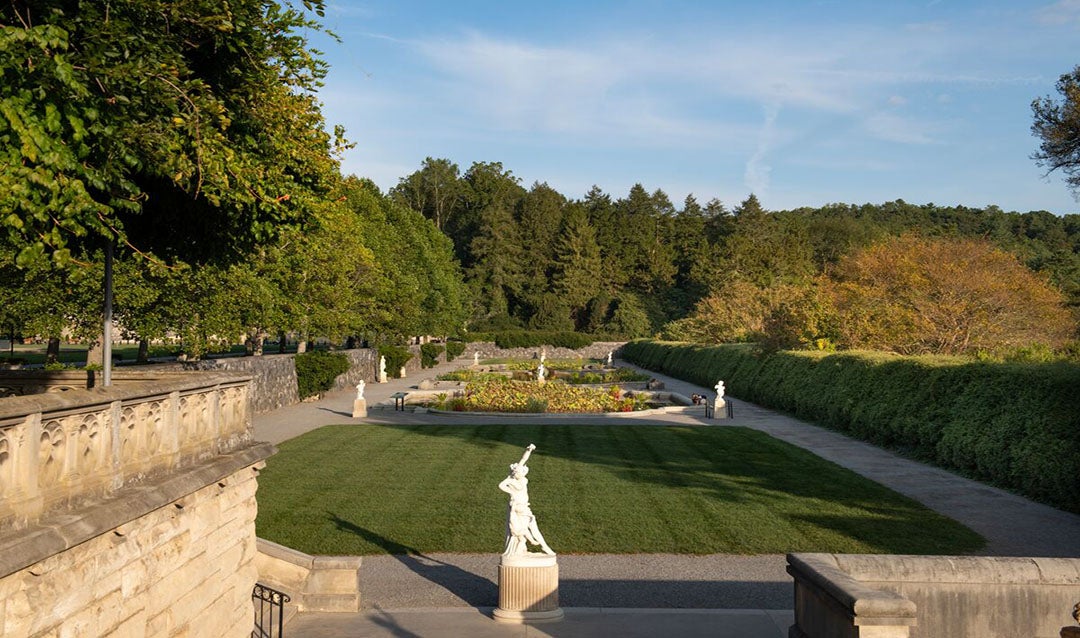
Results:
800 103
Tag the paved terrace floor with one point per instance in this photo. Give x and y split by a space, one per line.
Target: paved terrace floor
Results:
645 594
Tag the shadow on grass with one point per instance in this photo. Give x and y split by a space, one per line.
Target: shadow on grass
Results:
471 588
732 465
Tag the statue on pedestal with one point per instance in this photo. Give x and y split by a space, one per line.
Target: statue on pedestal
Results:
521 527
359 410
609 357
540 373
719 390
476 358
382 369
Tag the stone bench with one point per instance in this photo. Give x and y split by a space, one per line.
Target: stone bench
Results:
881 596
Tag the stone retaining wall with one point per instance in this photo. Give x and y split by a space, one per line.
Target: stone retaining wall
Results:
852 595
130 510
488 350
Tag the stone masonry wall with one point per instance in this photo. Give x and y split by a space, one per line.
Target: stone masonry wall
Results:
273 378
184 569
488 350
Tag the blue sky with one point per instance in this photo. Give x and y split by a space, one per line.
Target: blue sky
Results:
801 103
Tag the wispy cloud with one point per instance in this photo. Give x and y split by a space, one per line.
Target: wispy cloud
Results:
1063 12
897 128
756 176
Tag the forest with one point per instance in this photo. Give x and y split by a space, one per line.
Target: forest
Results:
638 265
199 167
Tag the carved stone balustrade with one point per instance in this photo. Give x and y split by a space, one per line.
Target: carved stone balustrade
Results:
60 450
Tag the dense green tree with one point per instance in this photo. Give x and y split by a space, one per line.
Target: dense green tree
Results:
187 129
435 190
578 267
1057 125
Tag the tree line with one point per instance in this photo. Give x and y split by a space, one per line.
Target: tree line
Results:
638 265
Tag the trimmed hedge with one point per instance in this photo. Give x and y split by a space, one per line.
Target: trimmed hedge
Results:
1015 425
429 354
534 339
316 371
454 349
396 358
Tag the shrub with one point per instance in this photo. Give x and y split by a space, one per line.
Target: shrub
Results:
454 349
1016 425
396 358
316 371
429 354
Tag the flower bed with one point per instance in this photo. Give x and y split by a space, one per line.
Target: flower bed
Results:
506 395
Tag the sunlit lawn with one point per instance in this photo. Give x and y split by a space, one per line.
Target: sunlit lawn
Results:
370 489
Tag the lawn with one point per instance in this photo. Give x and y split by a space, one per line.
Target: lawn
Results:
371 489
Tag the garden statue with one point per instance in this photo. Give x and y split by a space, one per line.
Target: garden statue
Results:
476 358
521 527
609 358
540 373
543 355
382 369
718 402
359 404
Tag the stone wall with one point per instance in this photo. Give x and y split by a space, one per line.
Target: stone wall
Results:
273 378
849 595
488 350
130 510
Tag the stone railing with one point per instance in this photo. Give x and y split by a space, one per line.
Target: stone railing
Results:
847 595
59 450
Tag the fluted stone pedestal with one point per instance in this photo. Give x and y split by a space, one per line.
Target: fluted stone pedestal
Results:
528 589
359 408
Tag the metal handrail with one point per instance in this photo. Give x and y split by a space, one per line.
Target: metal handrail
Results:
269 606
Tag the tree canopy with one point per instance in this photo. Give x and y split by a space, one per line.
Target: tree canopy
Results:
1057 125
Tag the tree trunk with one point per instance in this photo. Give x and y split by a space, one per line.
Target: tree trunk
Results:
52 351
95 354
144 352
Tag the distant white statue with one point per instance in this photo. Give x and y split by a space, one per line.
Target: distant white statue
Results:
382 369
521 527
540 372
476 358
609 357
360 390
543 355
719 389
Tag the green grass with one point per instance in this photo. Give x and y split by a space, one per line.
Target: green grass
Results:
76 353
371 489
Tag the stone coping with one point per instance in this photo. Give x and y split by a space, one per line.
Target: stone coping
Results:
60 531
158 384
988 570
824 572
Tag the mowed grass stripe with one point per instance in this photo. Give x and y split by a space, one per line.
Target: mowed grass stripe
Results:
369 489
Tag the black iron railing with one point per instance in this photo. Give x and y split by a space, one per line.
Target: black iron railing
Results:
710 411
269 612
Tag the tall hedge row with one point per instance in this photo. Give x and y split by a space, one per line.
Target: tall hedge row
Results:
1013 425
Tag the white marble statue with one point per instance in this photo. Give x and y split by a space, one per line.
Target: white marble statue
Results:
543 355
521 527
382 369
609 357
476 358
360 390
540 372
719 389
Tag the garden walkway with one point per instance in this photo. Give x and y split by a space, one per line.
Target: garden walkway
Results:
645 595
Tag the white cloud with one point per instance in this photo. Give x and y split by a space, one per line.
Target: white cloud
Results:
897 100
895 128
756 176
1063 12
